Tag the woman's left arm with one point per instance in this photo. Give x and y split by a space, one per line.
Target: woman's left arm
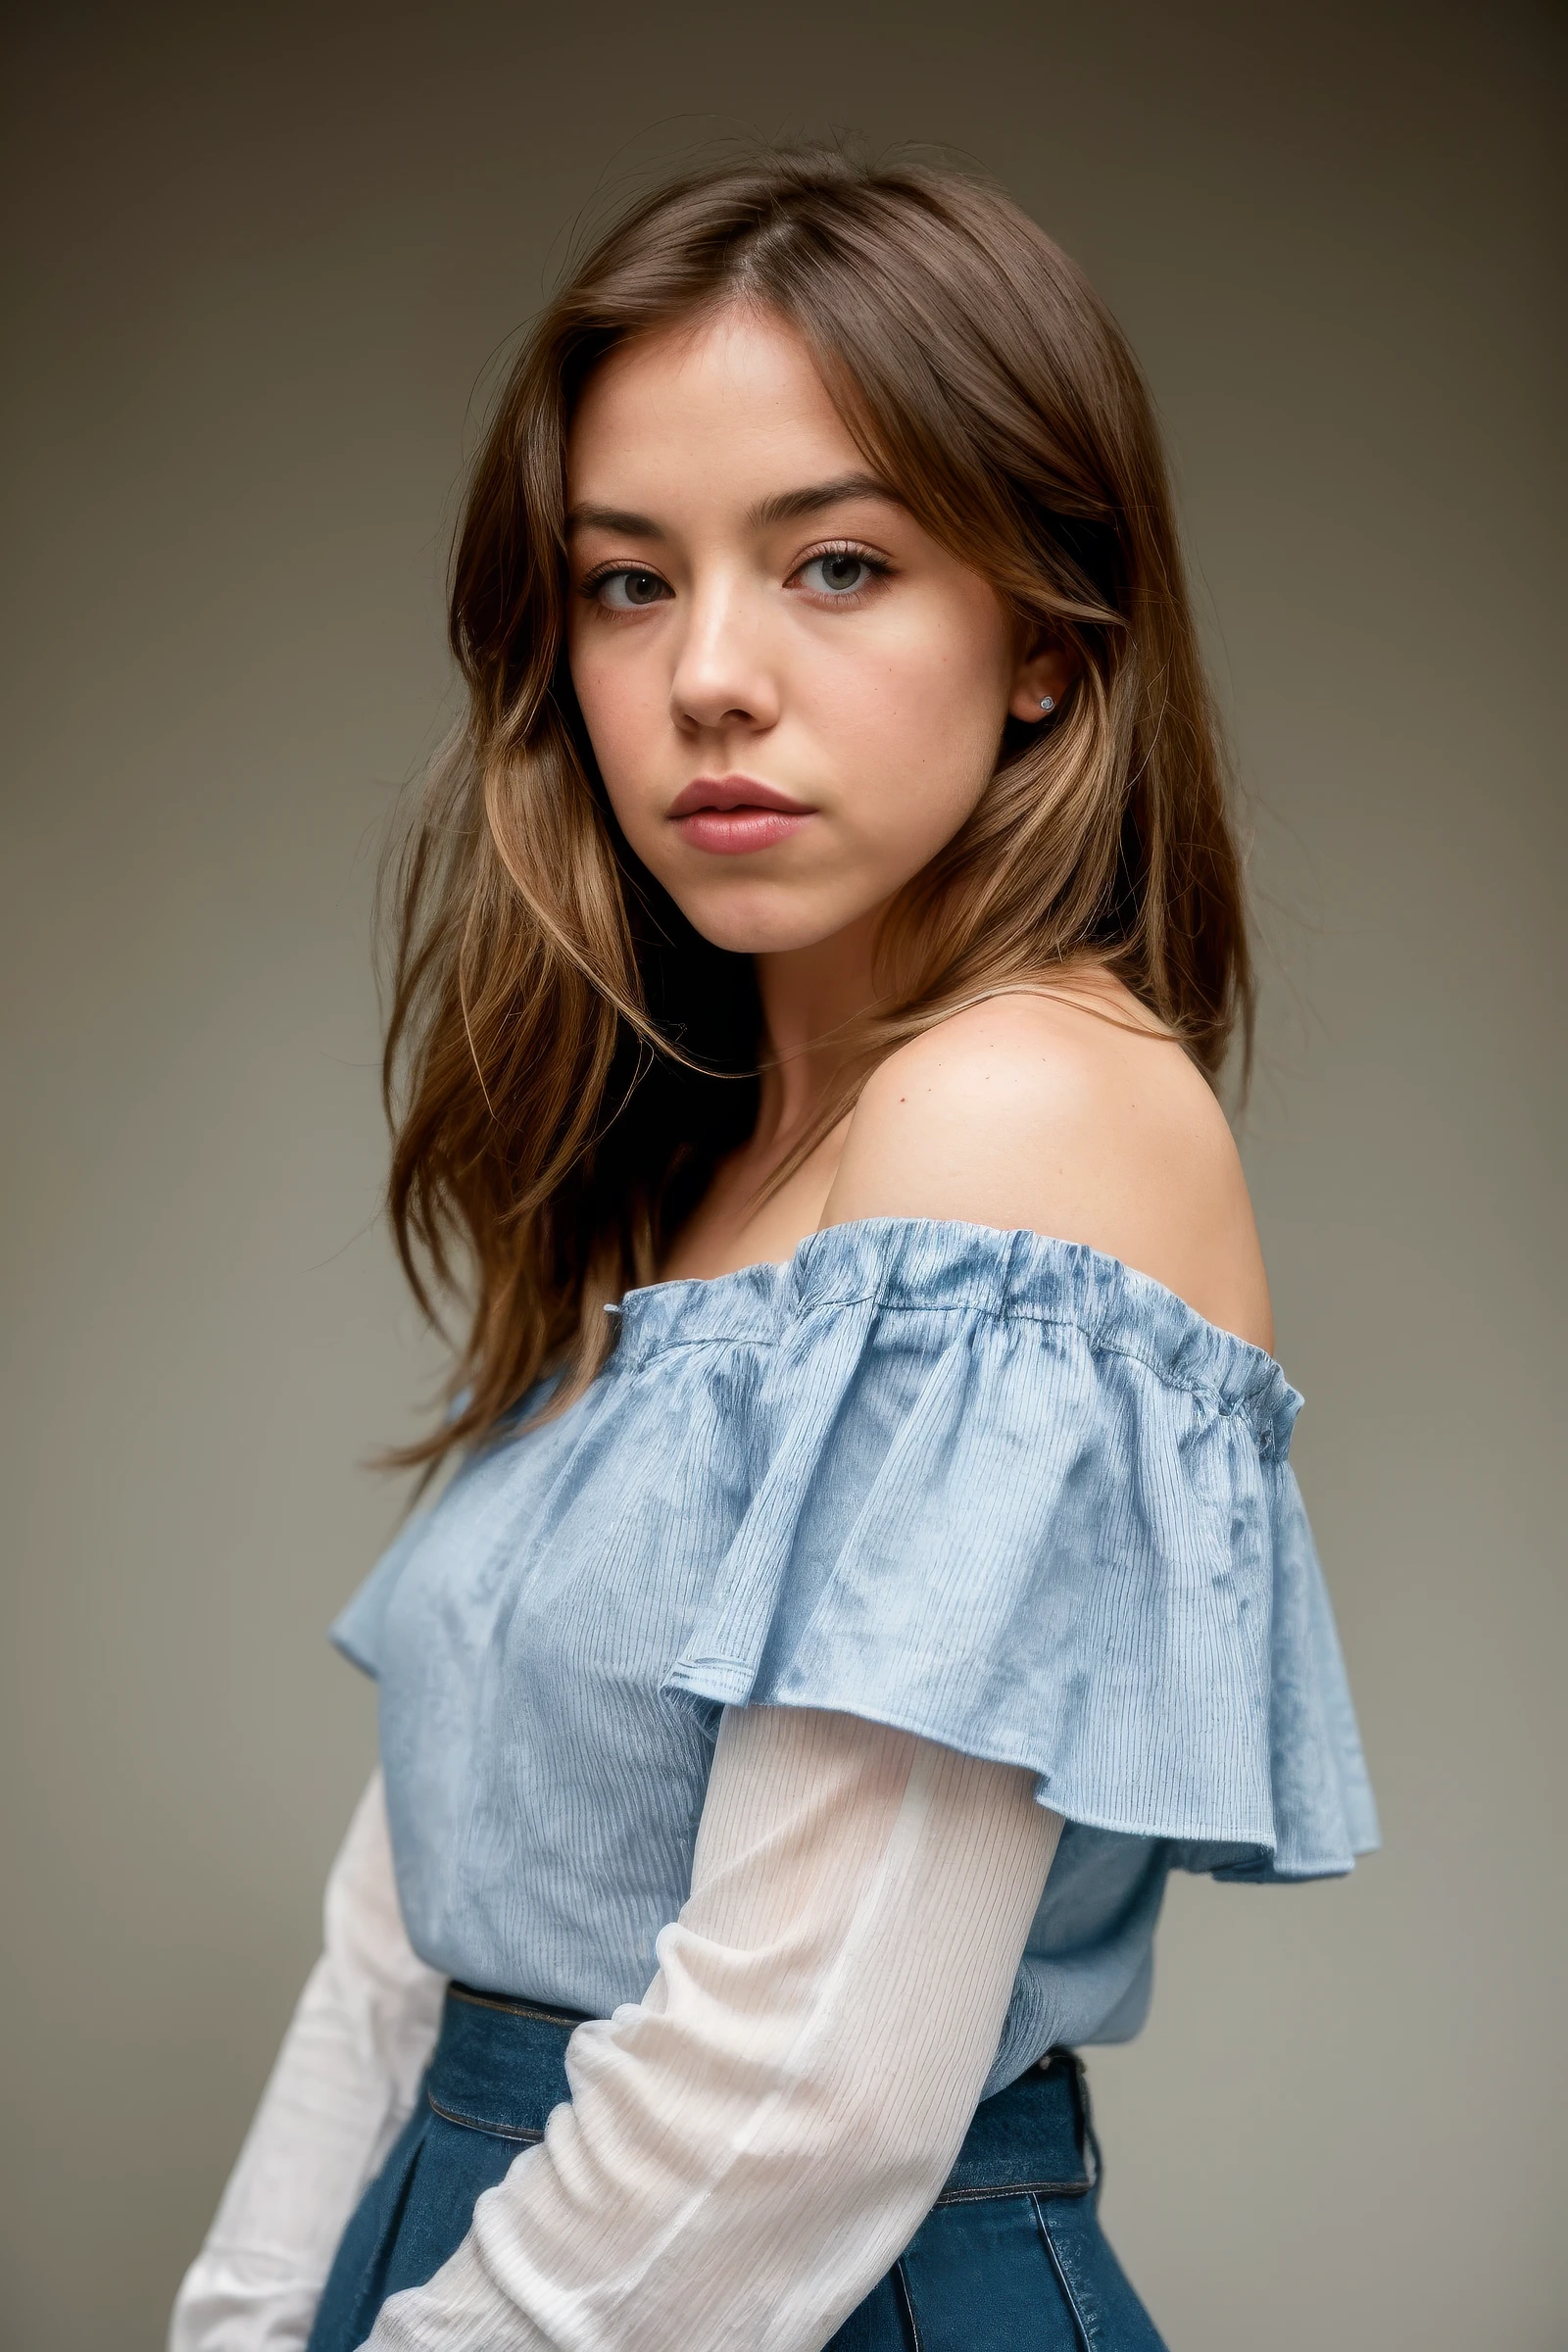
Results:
750 2147
344 2079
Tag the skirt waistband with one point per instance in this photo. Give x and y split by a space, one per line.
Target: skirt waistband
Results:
500 2065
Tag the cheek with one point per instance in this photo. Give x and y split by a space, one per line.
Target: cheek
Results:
921 724
602 693
622 709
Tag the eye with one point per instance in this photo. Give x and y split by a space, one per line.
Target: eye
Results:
626 590
840 571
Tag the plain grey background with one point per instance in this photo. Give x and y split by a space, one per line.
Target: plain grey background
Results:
264 263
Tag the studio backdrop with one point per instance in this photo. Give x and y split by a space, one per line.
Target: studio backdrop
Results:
265 266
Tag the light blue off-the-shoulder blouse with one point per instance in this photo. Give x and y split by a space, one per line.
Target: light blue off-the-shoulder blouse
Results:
993 1489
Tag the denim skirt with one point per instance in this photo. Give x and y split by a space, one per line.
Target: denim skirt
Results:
1011 2257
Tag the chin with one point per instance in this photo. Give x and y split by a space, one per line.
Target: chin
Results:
755 920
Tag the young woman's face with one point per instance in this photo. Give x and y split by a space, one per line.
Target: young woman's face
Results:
794 695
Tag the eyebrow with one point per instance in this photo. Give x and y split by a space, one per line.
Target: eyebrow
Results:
786 506
613 519
790 505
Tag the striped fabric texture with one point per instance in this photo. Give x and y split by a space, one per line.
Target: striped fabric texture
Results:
986 1486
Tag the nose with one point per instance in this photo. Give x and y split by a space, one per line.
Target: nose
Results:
722 676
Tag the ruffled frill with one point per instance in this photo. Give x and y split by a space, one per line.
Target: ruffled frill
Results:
1017 1499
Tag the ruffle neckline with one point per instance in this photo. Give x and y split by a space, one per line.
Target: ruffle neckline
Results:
993 1488
930 1266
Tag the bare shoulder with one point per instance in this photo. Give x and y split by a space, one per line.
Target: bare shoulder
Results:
1075 1116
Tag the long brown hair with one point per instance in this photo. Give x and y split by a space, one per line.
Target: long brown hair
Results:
566 1060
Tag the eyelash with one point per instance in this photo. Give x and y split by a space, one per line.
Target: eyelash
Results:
877 565
594 580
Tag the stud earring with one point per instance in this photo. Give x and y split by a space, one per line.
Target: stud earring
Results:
1047 702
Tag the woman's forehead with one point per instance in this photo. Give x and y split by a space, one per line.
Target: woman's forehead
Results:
732 401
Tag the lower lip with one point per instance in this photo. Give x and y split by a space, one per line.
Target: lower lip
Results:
733 832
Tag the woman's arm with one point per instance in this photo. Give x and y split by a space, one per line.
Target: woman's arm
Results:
344 2082
750 2147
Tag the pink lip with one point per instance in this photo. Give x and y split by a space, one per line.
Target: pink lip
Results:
731 815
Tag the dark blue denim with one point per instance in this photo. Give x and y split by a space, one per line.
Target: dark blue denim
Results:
1011 2257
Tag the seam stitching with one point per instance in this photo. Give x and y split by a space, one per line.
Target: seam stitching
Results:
485 2000
900 2278
474 2122
645 1353
1015 2188
1086 2336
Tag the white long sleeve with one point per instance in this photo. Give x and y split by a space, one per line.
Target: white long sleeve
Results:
751 2145
344 2082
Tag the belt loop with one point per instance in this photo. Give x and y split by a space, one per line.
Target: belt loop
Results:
1085 2118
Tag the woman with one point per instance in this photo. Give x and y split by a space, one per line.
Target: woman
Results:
873 1563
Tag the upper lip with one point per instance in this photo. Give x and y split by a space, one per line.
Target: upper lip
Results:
734 791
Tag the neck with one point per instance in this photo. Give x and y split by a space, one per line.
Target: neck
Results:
809 994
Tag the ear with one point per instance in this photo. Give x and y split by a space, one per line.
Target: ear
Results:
1045 669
